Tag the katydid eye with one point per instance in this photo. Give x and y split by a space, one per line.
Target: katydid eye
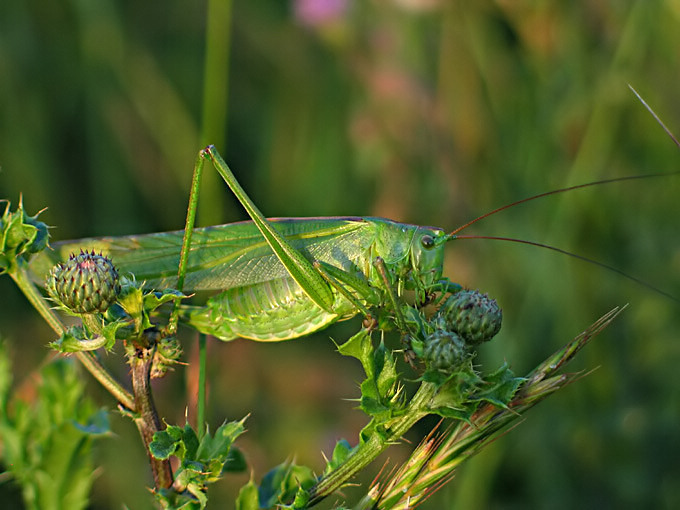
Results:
427 241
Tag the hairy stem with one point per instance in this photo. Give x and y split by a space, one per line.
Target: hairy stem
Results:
147 420
200 408
88 359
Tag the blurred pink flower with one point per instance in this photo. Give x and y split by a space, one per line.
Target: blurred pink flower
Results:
319 12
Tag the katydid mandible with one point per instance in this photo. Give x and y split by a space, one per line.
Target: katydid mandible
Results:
279 278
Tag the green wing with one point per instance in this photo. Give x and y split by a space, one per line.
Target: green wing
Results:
223 256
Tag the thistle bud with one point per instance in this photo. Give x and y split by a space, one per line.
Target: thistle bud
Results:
473 315
444 350
87 283
167 354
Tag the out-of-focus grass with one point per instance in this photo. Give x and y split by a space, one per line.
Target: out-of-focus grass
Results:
424 112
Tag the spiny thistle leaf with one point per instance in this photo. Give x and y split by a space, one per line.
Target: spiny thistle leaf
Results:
283 484
341 452
380 388
20 236
202 461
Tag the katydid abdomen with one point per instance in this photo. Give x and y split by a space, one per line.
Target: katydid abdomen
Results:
258 299
269 311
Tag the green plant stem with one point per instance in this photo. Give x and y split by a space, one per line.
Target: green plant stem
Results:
147 420
88 360
215 100
418 407
202 360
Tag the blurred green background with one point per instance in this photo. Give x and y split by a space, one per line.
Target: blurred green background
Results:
423 111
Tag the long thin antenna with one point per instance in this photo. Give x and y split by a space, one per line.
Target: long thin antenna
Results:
656 117
578 257
587 184
560 190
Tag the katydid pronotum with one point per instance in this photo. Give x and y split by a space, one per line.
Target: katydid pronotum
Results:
282 278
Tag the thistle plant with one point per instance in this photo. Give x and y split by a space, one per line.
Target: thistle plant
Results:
434 461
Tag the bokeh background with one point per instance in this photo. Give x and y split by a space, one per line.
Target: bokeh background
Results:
424 111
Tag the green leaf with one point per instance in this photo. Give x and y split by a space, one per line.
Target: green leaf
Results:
217 446
248 498
379 388
361 348
110 332
281 484
202 462
41 238
166 442
16 233
499 387
198 491
341 453
302 498
97 424
172 500
20 234
131 299
190 443
76 339
385 369
454 391
153 300
235 461
374 407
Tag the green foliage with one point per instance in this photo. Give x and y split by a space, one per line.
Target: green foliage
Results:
78 338
248 497
341 453
380 389
202 461
127 318
137 305
20 236
284 483
47 443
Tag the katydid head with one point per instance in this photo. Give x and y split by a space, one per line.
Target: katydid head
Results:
426 255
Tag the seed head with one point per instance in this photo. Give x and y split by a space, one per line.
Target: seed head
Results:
473 315
87 283
444 350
